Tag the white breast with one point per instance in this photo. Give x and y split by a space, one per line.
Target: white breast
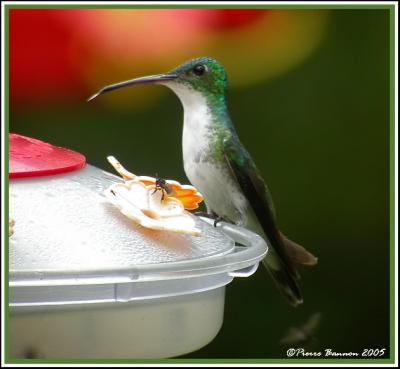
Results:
197 119
220 191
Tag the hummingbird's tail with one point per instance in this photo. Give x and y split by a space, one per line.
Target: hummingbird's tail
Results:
297 253
282 270
284 280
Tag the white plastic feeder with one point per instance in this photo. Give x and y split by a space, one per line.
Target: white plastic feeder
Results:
86 282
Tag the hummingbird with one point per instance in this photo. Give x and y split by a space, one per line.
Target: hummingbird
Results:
217 163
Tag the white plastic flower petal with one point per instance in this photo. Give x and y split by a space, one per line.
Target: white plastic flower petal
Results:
148 207
126 175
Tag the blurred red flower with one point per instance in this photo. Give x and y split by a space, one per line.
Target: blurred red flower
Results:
40 56
48 47
62 55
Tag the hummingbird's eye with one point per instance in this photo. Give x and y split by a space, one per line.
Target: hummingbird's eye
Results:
199 69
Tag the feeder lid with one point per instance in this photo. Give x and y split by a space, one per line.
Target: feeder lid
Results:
71 244
32 158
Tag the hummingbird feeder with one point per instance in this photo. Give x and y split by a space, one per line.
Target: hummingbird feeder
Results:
86 281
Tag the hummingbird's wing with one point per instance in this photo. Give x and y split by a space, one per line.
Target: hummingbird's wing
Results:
257 193
253 186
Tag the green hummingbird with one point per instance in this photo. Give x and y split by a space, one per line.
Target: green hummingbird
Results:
216 162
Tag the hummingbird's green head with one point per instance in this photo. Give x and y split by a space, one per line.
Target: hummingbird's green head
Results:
204 75
201 75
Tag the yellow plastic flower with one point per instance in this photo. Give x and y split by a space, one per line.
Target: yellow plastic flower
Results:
186 194
152 204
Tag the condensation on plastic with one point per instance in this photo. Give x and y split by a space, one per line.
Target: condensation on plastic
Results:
65 223
71 245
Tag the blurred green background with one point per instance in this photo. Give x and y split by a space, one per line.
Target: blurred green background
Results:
316 121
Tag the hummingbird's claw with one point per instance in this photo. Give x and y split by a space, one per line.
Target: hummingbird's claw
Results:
216 218
216 221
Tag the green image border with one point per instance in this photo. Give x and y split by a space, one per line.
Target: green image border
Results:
344 361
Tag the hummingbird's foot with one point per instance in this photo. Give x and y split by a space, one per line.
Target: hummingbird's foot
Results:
214 216
216 221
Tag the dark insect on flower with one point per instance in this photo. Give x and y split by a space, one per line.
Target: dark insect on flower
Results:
162 185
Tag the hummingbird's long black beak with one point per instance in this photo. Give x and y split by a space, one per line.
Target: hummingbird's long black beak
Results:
136 81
